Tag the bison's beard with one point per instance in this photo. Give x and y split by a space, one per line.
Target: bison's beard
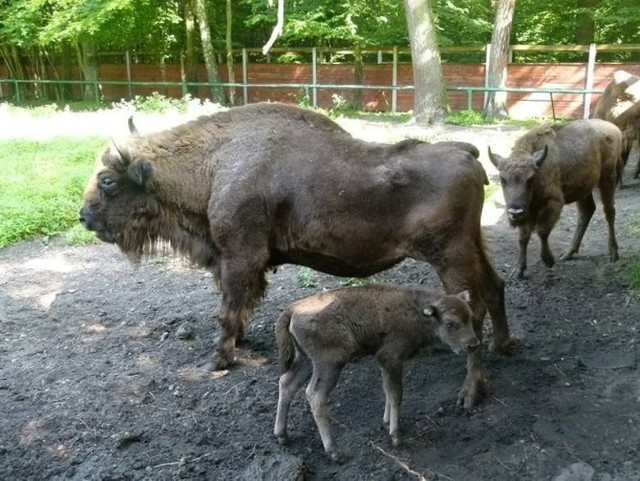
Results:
158 237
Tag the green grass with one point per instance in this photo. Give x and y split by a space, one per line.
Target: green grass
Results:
41 184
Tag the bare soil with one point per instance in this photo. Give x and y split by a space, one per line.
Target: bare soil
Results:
100 375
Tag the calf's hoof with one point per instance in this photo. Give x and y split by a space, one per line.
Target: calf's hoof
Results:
336 456
282 439
396 441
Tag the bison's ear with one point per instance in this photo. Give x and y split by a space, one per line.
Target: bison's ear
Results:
540 155
140 172
494 158
465 296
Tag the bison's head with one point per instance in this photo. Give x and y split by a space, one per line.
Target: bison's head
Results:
518 175
119 202
455 322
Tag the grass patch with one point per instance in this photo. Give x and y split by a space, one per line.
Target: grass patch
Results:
41 184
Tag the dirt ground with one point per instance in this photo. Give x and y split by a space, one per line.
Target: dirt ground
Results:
100 374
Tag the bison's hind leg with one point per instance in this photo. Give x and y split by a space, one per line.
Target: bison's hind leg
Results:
586 208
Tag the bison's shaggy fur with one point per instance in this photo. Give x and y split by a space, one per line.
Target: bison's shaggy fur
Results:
245 190
620 104
554 165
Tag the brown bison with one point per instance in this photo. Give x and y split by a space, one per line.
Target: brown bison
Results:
554 165
242 191
319 335
620 104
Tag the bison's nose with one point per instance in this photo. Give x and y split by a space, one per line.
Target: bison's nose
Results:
473 345
83 217
515 213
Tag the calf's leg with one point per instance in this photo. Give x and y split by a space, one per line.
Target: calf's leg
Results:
392 384
586 208
323 381
290 382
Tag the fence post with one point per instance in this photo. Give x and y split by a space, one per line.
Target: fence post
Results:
127 59
314 76
245 89
586 98
394 81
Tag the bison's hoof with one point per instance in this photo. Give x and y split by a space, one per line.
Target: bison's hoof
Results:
504 346
222 360
471 394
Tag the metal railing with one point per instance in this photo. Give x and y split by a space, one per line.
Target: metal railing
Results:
308 87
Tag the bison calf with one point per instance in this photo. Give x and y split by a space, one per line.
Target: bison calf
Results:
318 335
554 165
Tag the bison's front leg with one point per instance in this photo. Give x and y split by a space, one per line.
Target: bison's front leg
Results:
242 287
474 387
524 235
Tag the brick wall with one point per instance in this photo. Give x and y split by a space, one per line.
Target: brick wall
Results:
521 105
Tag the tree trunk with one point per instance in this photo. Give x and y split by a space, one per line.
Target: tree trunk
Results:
89 65
217 94
430 97
230 73
191 66
585 26
496 106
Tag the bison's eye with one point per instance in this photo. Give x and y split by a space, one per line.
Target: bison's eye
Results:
107 184
529 181
450 325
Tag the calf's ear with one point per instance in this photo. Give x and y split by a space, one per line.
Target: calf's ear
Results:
140 172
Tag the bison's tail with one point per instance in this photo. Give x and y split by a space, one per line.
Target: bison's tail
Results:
284 339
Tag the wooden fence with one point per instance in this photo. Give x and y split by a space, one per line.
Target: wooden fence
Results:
568 90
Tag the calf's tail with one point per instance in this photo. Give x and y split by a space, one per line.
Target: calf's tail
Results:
284 339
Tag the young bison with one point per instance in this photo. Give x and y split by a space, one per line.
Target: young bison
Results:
243 191
318 335
551 166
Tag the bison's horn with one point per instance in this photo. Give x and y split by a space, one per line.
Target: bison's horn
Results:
132 127
122 150
538 157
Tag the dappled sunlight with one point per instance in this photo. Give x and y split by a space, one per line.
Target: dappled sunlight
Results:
146 361
43 294
60 450
140 332
191 372
31 432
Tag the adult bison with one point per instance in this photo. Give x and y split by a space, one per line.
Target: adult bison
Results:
554 165
245 190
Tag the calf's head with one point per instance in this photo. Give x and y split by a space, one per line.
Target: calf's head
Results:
518 175
119 203
455 326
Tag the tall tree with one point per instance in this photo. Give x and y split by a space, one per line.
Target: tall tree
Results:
496 106
430 97
217 94
229 42
585 25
